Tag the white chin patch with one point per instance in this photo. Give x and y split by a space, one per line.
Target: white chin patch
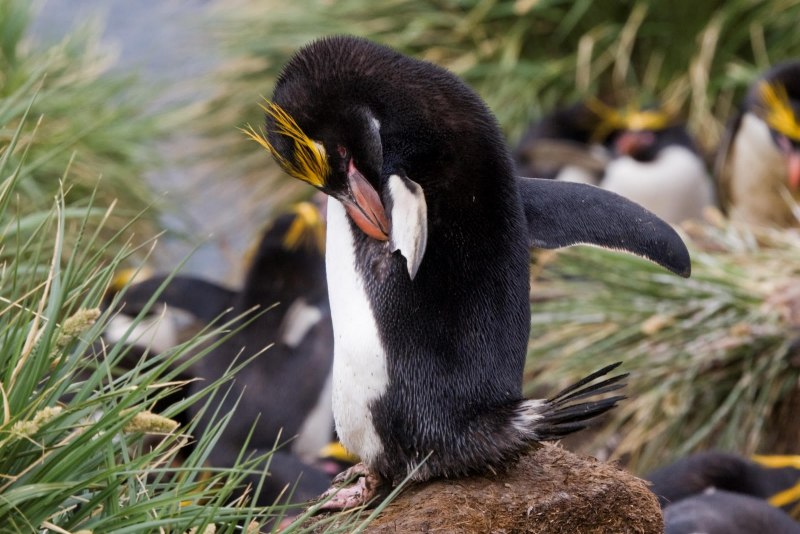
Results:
409 233
299 319
155 332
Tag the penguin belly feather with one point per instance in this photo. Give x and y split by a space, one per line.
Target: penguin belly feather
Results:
359 361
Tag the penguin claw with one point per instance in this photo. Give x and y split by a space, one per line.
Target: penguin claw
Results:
363 490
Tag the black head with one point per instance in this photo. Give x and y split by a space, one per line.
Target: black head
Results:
775 99
367 125
288 260
556 140
639 133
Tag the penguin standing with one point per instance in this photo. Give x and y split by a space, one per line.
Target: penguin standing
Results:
654 162
428 262
287 388
758 164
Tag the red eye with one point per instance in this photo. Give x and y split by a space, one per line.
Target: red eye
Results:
342 151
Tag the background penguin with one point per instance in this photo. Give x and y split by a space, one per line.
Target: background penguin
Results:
773 478
723 512
758 164
644 155
559 146
287 388
428 262
654 162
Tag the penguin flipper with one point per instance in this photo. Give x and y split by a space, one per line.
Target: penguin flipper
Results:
560 214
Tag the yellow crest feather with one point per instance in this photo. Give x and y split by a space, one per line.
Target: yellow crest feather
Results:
627 119
307 228
309 164
778 113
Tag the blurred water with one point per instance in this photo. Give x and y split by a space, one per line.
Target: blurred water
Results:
166 42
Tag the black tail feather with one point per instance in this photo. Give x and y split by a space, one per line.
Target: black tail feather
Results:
560 415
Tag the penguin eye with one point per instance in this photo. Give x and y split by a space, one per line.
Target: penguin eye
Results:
342 151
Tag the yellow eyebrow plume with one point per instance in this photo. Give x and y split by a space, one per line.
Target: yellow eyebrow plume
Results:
307 228
309 162
779 114
628 119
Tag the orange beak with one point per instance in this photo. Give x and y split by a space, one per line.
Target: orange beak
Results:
793 168
631 142
364 206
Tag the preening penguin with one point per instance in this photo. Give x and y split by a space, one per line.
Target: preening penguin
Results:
428 261
758 164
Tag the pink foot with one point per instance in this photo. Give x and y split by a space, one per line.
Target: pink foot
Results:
362 491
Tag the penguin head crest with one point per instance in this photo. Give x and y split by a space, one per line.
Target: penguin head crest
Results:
631 118
306 230
308 160
777 111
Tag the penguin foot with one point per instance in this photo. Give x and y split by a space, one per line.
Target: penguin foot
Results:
364 489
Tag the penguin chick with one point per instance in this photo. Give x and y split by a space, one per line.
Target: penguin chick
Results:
428 262
758 164
560 146
654 162
723 512
773 478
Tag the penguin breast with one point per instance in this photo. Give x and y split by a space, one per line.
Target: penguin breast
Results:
359 359
758 175
675 185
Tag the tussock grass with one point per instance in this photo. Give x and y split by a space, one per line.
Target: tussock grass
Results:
712 358
73 453
524 57
87 117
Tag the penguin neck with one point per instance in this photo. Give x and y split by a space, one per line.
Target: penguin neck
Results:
758 176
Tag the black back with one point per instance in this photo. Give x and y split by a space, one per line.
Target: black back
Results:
722 512
692 475
282 385
204 300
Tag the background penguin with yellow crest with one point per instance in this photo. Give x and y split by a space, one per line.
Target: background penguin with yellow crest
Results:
644 154
758 164
654 161
285 390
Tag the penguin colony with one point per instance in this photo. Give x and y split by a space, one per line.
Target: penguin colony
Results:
427 268
647 154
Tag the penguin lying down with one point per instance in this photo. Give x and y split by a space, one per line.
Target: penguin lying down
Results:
428 259
772 478
724 512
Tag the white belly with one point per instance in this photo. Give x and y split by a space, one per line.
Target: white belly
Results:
359 361
759 176
675 186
